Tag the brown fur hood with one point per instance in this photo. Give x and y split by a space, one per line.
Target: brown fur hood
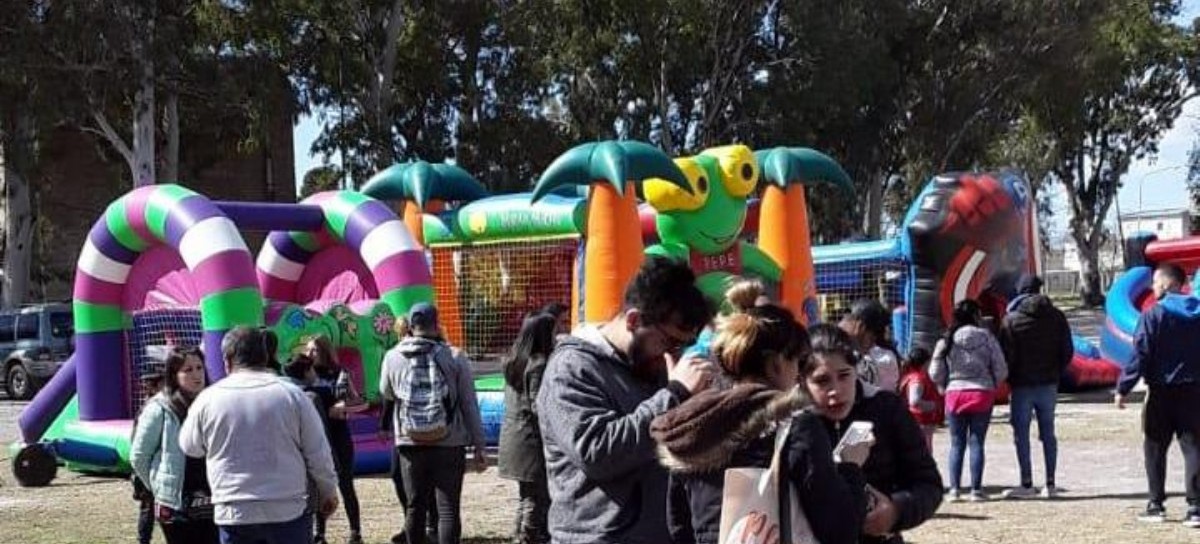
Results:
703 433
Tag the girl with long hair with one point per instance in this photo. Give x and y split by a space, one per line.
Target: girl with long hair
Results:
968 367
335 386
521 456
179 483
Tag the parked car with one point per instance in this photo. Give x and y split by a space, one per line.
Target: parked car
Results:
35 341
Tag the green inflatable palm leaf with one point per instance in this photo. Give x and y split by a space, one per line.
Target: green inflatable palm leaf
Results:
422 182
613 161
783 166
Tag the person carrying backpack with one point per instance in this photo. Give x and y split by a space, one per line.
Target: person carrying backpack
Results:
435 419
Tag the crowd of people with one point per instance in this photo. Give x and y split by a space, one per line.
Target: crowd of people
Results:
623 431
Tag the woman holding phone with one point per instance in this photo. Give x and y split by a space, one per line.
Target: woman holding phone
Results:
717 429
902 477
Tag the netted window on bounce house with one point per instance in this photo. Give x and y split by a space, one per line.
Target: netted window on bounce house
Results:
840 284
485 289
152 336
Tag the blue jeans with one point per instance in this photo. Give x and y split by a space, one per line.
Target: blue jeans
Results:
297 531
967 430
1026 402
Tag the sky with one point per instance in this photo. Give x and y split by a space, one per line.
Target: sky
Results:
1153 183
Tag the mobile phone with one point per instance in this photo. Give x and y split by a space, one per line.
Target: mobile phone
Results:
859 431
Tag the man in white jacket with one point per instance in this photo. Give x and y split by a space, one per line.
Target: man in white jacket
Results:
262 441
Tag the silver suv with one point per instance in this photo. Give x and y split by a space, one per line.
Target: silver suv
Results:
34 342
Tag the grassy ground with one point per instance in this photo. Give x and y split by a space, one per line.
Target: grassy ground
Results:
1100 470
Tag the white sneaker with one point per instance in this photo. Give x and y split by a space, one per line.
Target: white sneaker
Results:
954 496
978 496
1020 493
1049 492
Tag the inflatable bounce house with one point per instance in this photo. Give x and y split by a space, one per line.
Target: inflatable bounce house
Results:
967 235
165 266
580 235
1130 294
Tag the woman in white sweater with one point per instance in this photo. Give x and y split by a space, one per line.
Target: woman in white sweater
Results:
968 367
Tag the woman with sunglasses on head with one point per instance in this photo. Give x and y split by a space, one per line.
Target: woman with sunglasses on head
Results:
334 384
761 349
179 483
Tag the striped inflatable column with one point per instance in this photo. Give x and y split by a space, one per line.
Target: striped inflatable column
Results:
366 226
212 249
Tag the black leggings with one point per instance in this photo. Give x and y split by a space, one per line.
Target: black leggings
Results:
433 475
343 463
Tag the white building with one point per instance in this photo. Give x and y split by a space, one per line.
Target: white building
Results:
1167 224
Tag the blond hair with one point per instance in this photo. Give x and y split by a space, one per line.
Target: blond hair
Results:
744 294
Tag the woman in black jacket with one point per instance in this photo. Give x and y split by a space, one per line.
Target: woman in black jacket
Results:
761 350
335 389
521 457
905 486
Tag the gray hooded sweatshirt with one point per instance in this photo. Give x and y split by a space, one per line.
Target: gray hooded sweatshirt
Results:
974 362
606 486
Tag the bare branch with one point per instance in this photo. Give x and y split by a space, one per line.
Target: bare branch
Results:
109 133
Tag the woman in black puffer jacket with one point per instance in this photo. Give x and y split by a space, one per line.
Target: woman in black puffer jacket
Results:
906 488
761 350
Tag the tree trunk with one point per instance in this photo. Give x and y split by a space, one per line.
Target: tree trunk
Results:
874 216
143 166
1092 292
171 172
18 224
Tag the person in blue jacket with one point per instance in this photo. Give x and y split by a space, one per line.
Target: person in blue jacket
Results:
1167 356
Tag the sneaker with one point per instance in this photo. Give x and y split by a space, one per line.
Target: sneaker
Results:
954 496
977 495
1050 492
1154 513
1192 520
354 538
1020 493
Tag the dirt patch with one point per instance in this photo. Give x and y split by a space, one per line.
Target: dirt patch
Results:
1100 470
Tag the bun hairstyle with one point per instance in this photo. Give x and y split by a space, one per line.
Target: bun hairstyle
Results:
744 295
828 340
745 342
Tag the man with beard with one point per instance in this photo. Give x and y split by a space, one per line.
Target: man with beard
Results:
601 388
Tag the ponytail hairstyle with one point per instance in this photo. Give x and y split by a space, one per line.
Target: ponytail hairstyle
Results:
829 340
746 342
744 295
966 313
534 343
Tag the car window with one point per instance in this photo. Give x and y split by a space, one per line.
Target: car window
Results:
7 324
28 326
62 324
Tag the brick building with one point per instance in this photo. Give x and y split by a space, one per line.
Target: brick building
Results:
80 177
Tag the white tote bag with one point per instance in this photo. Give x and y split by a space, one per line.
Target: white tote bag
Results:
751 500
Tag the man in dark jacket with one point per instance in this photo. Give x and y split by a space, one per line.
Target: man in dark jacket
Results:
1036 340
601 388
1166 345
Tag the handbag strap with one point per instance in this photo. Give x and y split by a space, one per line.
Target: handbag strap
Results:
783 484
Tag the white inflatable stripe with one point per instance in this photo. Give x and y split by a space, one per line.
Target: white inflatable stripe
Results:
278 266
99 266
387 239
207 238
964 279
